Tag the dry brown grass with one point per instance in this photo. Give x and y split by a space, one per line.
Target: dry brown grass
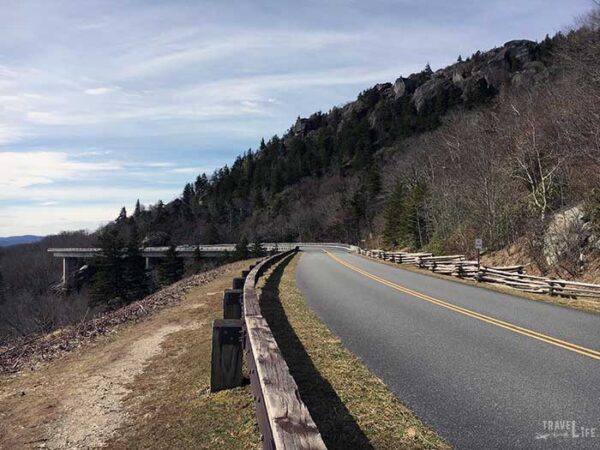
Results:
144 385
172 405
351 406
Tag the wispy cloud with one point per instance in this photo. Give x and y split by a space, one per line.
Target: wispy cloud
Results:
101 90
158 164
190 170
23 169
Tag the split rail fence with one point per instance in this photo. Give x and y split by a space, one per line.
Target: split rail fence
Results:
511 276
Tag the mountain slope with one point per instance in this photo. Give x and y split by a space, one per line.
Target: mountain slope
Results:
331 158
16 240
493 146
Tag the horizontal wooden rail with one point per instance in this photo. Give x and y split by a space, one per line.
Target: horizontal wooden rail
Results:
511 276
283 419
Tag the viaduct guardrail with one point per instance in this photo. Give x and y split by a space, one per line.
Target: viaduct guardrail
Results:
510 276
283 419
72 256
187 251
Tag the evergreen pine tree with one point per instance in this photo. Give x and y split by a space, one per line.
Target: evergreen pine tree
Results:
197 255
187 200
108 285
134 270
171 268
414 230
188 194
197 261
122 217
201 184
241 248
393 216
138 209
212 233
160 212
257 249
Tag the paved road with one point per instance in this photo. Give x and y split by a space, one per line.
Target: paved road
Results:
439 346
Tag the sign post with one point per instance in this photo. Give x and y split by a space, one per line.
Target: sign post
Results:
478 246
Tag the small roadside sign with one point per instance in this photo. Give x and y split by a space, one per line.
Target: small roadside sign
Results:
478 246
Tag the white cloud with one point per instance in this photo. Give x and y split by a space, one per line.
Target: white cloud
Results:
194 170
102 90
158 164
94 193
44 220
23 169
9 134
174 51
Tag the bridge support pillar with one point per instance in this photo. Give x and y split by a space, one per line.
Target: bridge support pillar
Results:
149 263
70 265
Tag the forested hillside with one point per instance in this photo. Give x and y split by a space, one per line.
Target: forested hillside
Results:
323 178
491 146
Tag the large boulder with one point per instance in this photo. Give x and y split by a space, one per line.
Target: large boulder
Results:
566 235
513 56
434 90
405 86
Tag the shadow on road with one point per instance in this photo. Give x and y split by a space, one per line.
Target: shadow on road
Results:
337 426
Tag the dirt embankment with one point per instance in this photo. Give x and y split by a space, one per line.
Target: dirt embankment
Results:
137 385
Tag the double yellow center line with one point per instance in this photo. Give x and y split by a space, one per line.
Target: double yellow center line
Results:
475 315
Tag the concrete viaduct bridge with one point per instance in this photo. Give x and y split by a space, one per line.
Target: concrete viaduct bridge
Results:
74 258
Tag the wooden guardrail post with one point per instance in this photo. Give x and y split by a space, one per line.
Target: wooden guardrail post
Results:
226 362
232 304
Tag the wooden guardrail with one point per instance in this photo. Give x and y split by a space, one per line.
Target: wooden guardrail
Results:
511 276
283 419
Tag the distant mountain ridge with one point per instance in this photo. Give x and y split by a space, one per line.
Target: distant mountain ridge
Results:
16 240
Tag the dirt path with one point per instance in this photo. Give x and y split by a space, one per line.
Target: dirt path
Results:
106 393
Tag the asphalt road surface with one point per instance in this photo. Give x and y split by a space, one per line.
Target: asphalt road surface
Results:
483 369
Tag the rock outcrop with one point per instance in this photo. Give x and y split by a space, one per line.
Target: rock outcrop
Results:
518 64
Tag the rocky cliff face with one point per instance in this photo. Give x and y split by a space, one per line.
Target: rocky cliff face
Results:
517 64
481 76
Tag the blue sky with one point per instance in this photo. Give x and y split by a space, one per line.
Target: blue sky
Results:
103 102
